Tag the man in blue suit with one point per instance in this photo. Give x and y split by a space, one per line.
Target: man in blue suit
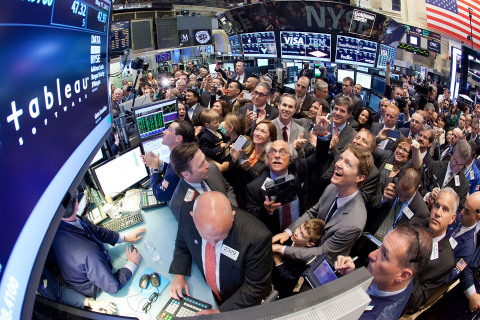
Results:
471 170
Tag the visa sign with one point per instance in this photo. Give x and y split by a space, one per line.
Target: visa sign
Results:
294 40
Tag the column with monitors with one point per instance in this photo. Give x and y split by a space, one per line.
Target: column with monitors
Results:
235 45
259 44
305 46
385 53
355 51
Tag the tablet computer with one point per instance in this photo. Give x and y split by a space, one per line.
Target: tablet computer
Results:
320 272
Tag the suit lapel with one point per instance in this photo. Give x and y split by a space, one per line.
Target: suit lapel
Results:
226 263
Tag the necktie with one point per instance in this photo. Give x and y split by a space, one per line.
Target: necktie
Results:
335 132
285 134
446 152
218 135
311 127
99 243
456 230
286 216
388 221
332 211
204 186
450 176
210 269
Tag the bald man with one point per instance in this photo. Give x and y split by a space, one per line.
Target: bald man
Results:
232 248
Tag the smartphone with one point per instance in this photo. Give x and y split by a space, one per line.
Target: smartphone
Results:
393 134
240 143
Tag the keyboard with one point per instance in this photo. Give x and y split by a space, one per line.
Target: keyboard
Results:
148 200
124 222
131 201
186 307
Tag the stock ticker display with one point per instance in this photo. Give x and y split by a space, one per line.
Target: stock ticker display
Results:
306 45
356 51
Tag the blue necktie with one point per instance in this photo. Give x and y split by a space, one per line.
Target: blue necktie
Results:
332 211
99 243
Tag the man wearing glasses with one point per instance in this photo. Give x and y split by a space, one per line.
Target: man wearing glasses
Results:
260 98
441 174
320 91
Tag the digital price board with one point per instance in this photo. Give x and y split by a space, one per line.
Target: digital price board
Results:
434 46
163 56
355 51
422 32
259 44
386 53
235 45
120 35
305 45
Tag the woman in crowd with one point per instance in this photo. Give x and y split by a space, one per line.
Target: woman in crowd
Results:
248 162
222 108
182 112
362 119
452 117
440 129
152 81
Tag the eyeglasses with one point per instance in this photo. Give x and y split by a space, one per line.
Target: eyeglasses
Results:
282 152
404 150
147 306
260 94
456 163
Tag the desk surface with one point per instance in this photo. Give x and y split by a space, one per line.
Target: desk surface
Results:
161 231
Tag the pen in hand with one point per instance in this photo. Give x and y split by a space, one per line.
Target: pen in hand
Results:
353 260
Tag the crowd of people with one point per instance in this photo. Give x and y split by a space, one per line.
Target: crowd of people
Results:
407 174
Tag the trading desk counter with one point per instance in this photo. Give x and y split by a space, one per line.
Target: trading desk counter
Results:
161 231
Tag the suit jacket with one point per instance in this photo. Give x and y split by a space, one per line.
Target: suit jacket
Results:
208 99
339 234
432 276
307 103
377 127
467 277
345 137
356 101
464 249
427 160
272 112
196 115
376 217
435 175
473 178
297 127
405 132
448 154
179 206
210 145
243 282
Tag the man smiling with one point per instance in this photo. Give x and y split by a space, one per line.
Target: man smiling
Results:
339 127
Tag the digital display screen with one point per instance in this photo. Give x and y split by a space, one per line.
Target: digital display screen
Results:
62 49
364 79
202 37
120 35
386 53
259 44
155 118
163 56
374 102
413 40
184 38
341 74
262 62
305 45
324 273
434 46
355 51
378 84
235 45
156 146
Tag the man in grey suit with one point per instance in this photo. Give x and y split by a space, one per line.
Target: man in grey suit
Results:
197 177
231 248
391 117
342 132
341 207
288 130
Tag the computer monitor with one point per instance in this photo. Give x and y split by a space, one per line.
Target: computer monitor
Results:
378 85
364 79
229 66
374 102
156 146
342 73
211 68
98 157
259 44
60 121
262 62
120 173
153 119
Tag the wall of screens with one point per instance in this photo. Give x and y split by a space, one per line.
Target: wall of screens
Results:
355 51
259 44
235 45
305 45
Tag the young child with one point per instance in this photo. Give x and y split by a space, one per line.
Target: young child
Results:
212 142
285 274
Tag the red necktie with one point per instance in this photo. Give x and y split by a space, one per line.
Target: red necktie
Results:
285 134
210 268
286 216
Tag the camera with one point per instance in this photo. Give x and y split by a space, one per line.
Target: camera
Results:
281 189
139 64
401 102
182 97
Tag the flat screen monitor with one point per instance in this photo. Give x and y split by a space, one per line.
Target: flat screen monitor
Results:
374 102
342 73
60 122
386 53
355 51
305 45
262 62
299 65
163 56
413 40
120 35
211 68
98 157
156 146
378 84
229 66
259 44
395 76
290 64
235 45
120 173
153 119
364 79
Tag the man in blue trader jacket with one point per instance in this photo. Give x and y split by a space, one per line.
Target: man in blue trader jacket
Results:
82 258
178 132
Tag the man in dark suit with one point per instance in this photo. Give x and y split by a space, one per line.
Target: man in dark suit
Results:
416 123
260 97
239 73
447 151
306 71
380 117
194 108
197 177
391 116
243 278
441 261
475 136
425 139
304 100
399 204
215 92
340 129
341 207
347 91
443 174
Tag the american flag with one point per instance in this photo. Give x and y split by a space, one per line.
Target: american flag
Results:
451 17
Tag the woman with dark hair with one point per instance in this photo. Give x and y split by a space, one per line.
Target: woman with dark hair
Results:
222 108
182 112
452 117
362 119
248 162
